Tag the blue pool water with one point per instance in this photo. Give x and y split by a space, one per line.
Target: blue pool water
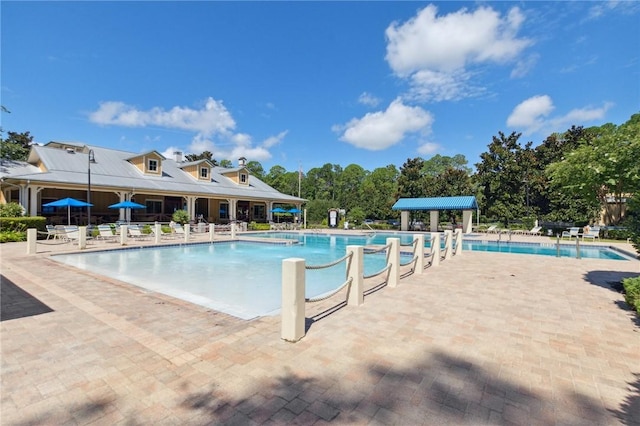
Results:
587 250
244 278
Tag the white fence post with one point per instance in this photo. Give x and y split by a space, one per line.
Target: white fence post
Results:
233 231
394 260
435 249
355 271
212 231
292 311
32 237
158 232
123 235
82 237
418 241
448 244
458 241
187 232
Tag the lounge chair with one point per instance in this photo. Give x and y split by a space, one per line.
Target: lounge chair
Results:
536 230
592 233
53 232
105 233
136 232
573 232
493 229
70 233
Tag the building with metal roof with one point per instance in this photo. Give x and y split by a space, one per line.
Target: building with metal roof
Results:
466 203
106 176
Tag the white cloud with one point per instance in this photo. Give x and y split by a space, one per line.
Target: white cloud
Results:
428 148
445 46
212 125
212 118
380 130
533 116
369 100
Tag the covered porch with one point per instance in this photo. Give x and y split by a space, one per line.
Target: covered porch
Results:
434 205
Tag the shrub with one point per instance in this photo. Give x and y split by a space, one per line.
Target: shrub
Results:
180 216
255 226
12 236
632 292
11 210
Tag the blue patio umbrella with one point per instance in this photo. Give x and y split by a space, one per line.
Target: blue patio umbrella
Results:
127 205
294 211
278 210
68 203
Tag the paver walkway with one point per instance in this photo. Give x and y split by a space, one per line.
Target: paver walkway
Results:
484 338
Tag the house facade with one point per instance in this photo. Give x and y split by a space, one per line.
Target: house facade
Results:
163 185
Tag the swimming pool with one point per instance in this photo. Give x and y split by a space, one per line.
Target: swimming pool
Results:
243 279
587 251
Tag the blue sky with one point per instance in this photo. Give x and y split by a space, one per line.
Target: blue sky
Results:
301 84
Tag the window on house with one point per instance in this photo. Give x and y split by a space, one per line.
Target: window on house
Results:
153 165
204 172
243 178
259 212
224 210
154 206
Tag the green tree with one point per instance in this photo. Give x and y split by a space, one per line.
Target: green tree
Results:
227 164
632 220
205 155
604 166
317 210
255 168
16 146
410 180
349 193
379 189
502 175
438 164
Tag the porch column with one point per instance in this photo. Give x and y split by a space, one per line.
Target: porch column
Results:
23 197
191 207
33 201
467 221
122 196
404 220
233 210
434 217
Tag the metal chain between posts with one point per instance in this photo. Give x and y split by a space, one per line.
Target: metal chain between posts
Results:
333 293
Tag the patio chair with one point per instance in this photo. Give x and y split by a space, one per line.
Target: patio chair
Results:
592 233
105 233
136 232
53 232
536 230
493 229
573 232
70 233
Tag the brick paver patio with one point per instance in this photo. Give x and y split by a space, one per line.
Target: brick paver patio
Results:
483 339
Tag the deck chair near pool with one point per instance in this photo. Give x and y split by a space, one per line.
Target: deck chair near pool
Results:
493 229
70 233
178 230
592 233
53 232
573 232
536 230
136 232
105 233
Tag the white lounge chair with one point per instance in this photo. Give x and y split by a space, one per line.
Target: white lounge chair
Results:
105 233
592 233
573 232
136 232
493 229
536 230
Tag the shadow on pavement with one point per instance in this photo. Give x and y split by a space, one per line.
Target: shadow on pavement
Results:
17 303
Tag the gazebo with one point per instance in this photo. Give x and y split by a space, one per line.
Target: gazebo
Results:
466 203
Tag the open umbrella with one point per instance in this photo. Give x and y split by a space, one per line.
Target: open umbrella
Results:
294 211
278 210
127 205
68 203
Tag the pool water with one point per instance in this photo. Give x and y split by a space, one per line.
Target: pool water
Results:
587 250
243 279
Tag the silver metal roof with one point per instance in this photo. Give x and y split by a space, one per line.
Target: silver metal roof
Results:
111 169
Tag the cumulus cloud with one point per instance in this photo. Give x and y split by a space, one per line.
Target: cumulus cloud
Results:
428 148
212 124
368 99
212 118
534 115
432 50
380 130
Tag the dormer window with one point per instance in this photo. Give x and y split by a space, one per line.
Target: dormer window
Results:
243 178
152 166
204 172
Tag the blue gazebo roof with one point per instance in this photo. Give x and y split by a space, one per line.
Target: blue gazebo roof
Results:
466 202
